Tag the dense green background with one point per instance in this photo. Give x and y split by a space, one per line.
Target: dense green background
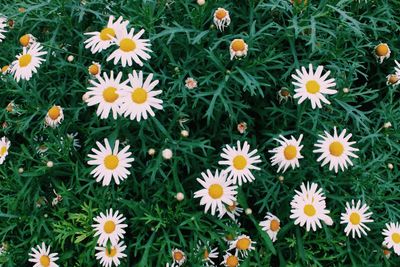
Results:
338 34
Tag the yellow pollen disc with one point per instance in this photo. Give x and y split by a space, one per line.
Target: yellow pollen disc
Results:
24 40
45 261
290 152
239 162
216 191
382 50
220 13
232 207
396 238
393 79
355 218
127 45
54 112
24 60
206 254
232 261
106 34
110 95
3 150
109 227
312 87
178 255
111 253
5 68
274 225
336 149
139 96
111 162
243 244
94 69
238 45
309 210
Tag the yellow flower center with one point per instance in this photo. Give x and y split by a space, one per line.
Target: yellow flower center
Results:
396 238
309 210
312 87
94 69
107 34
355 218
111 162
232 207
3 150
216 191
220 14
24 40
111 253
139 95
393 79
243 243
110 95
206 254
127 45
109 227
274 225
24 60
4 68
336 148
239 162
290 152
178 255
232 261
238 45
382 50
54 112
45 261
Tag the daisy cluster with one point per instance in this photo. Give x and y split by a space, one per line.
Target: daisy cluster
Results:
130 93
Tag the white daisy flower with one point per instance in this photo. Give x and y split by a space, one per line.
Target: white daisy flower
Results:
232 211
28 62
207 253
240 162
108 256
190 83
27 40
308 207
4 146
243 244
110 162
355 217
94 69
271 225
109 227
397 69
105 92
102 40
230 260
54 116
336 150
393 79
287 154
138 98
392 237
217 191
3 25
130 48
221 18
42 257
382 52
313 86
5 69
178 257
238 48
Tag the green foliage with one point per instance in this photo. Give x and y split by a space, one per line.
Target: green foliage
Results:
339 34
